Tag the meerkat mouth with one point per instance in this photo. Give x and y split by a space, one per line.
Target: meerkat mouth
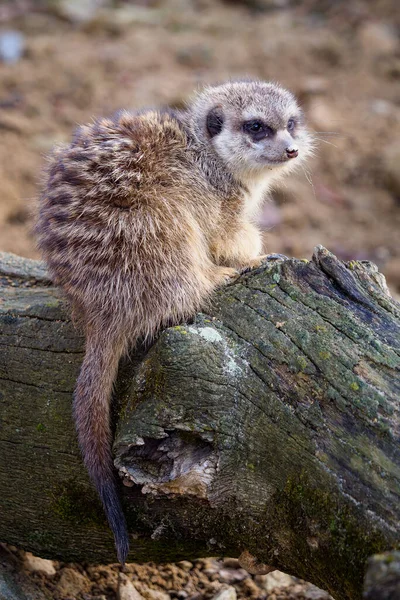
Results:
274 163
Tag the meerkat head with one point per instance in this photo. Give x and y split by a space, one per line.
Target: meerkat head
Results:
255 127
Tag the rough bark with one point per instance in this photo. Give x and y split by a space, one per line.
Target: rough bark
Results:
268 425
382 581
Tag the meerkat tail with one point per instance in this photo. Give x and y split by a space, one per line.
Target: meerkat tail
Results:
92 400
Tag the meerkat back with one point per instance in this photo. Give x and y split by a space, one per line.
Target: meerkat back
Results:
119 236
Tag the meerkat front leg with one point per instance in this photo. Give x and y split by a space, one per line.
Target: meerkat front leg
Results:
242 249
224 275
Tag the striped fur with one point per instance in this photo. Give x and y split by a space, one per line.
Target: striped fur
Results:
141 218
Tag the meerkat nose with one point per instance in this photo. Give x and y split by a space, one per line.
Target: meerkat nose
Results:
292 152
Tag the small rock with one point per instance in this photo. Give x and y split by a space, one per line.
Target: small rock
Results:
314 593
226 593
35 564
274 580
17 588
12 45
150 594
207 563
232 575
79 11
71 583
297 589
382 107
126 590
185 565
250 589
378 39
231 563
119 19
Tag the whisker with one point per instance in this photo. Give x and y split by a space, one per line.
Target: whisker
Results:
326 142
307 175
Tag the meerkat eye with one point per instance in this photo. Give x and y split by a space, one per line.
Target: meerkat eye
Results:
257 129
255 126
291 124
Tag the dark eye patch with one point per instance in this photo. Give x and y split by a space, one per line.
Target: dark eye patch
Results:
257 129
215 121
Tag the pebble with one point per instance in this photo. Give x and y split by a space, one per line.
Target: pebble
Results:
314 593
71 583
231 563
226 593
79 11
150 594
12 45
232 575
185 565
274 580
126 590
35 564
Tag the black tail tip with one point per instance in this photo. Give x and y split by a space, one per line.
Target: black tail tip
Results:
112 506
122 546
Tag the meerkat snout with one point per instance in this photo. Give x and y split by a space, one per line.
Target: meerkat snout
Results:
292 152
256 128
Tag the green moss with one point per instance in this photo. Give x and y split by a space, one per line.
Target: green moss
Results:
301 362
324 354
78 505
341 536
320 328
40 427
40 538
354 386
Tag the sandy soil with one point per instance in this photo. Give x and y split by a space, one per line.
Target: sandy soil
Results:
342 59
204 579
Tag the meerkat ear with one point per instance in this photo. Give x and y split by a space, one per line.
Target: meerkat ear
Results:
215 121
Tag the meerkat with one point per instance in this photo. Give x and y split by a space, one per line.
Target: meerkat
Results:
142 216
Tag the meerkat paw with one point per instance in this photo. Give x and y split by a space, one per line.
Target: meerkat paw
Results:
261 260
225 275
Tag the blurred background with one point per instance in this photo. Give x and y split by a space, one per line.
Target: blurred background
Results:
64 61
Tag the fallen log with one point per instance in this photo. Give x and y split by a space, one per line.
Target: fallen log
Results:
269 425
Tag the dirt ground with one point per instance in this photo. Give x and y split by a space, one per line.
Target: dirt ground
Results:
204 579
90 57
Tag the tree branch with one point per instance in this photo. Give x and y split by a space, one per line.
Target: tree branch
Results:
268 425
